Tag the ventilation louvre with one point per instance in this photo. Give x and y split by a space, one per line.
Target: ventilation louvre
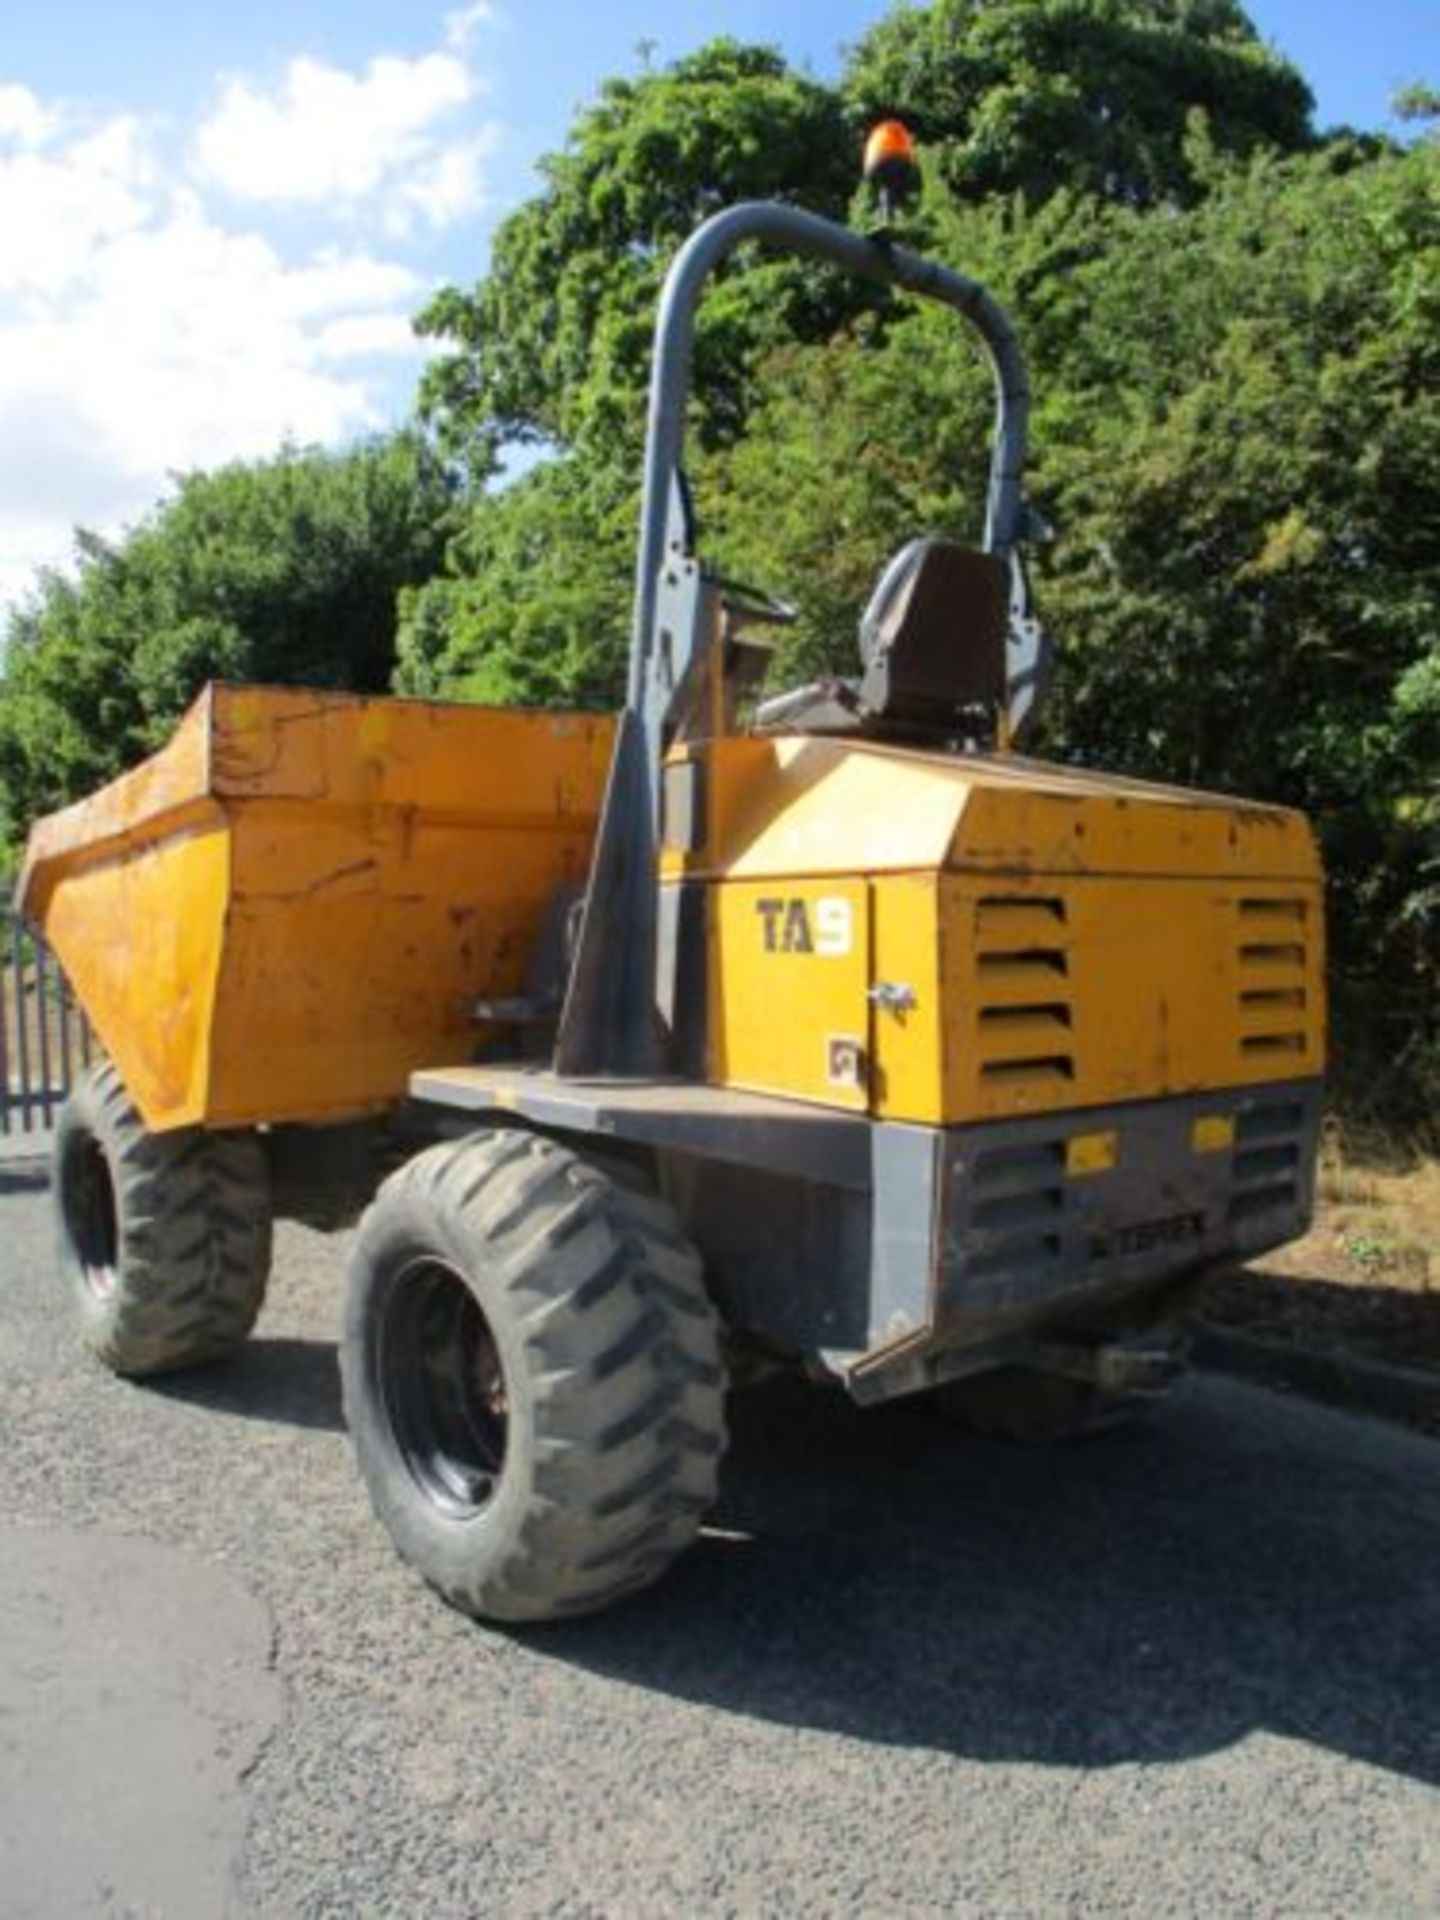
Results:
1017 1215
1252 1043
1276 1118
1261 1165
1266 1168
1272 996
1024 1017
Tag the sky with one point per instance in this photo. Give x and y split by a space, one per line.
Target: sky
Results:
217 221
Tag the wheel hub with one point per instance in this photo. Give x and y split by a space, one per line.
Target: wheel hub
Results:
92 1213
443 1387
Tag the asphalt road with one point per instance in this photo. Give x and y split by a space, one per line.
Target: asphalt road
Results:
1189 1670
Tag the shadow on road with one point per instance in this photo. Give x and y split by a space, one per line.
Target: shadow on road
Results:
1387 1321
1148 1596
23 1176
1235 1566
291 1382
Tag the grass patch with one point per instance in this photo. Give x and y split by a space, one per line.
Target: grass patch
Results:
1366 1278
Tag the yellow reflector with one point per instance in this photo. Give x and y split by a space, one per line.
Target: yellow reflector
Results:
1212 1133
1091 1152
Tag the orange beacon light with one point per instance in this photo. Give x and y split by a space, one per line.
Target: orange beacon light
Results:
891 167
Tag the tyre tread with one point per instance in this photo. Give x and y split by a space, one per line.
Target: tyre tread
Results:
194 1233
620 1343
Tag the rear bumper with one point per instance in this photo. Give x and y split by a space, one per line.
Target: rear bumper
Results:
1034 1212
1047 1224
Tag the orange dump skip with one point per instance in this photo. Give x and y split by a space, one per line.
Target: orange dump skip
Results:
299 899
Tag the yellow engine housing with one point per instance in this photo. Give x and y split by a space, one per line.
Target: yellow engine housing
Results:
946 940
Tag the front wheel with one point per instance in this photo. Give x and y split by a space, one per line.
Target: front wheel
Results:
532 1378
163 1238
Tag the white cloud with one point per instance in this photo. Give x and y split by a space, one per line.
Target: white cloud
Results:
22 117
464 23
182 345
447 186
329 137
360 336
193 345
57 207
154 317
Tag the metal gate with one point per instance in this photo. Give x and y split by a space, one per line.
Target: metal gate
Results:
45 1040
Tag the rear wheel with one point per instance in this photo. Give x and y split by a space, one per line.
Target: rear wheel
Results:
532 1378
164 1238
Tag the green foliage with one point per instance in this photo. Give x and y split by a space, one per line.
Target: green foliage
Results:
1253 571
553 344
1417 102
883 431
552 348
1037 96
286 570
534 608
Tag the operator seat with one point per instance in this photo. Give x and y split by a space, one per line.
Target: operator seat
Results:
932 640
933 643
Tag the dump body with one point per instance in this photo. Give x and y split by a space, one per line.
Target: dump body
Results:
298 900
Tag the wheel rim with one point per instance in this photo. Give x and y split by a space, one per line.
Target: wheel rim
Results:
92 1214
443 1387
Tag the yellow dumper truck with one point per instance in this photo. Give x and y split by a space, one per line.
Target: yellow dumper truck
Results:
824 1030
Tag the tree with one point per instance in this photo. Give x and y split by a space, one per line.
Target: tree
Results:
553 344
552 348
884 430
534 605
285 570
1418 103
1033 96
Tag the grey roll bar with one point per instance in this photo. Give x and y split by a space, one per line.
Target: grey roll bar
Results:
876 259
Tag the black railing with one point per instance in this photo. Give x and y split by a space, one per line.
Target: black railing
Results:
45 1040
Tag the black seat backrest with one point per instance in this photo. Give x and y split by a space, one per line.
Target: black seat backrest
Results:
933 636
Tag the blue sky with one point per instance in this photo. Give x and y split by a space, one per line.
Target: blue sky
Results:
215 222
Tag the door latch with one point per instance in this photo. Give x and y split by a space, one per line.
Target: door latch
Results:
892 996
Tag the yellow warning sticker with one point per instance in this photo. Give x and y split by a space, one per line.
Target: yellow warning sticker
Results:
1091 1152
1212 1133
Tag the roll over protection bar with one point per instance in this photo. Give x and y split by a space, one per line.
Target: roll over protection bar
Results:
869 258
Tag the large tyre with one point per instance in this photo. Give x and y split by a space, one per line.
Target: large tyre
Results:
164 1238
532 1378
1037 1409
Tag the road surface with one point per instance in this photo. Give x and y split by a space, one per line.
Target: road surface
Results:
1186 1670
